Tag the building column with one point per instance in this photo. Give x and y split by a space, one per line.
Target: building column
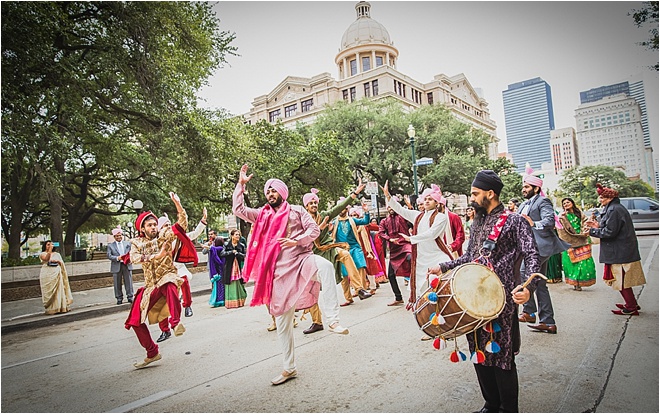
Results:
387 59
358 63
373 59
346 73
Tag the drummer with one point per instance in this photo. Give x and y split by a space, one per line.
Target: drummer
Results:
497 375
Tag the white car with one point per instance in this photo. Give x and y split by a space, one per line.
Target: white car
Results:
643 210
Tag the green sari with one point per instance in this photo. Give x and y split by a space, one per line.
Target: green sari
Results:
582 273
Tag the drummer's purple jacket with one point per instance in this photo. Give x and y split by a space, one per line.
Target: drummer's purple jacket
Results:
515 245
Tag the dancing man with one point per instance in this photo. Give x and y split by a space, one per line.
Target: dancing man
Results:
159 298
390 229
335 253
183 251
538 211
280 260
497 375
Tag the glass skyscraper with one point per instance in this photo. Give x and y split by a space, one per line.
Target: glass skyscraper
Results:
529 118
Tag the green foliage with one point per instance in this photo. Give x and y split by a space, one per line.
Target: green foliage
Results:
579 183
374 134
648 14
28 261
98 98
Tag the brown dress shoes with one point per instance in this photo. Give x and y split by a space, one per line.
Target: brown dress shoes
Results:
542 327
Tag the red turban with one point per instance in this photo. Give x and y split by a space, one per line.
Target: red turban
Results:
606 192
141 219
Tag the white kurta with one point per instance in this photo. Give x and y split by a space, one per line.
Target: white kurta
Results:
428 252
181 268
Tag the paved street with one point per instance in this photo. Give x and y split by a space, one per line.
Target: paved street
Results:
598 362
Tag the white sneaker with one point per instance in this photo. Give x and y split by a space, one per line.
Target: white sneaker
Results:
338 329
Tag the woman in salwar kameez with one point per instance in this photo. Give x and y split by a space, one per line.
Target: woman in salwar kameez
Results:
216 267
234 255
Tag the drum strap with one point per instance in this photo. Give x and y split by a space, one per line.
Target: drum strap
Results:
491 242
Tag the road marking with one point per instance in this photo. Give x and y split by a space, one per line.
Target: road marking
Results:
649 259
142 402
34 360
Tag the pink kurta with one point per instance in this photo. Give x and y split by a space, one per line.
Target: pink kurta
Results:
294 281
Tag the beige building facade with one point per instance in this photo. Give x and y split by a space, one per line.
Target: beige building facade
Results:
563 147
366 68
609 132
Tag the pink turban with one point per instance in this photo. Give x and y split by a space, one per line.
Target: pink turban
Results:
356 210
532 179
279 186
435 193
162 221
340 200
116 231
443 201
310 196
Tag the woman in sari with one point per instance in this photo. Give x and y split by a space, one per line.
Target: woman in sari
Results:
234 255
54 281
216 267
581 270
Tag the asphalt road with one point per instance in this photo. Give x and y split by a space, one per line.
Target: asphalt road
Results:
598 362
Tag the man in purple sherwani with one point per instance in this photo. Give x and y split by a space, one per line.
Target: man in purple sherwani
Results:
497 375
280 260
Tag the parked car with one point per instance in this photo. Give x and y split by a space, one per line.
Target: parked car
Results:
644 212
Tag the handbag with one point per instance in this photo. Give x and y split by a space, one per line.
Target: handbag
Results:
578 254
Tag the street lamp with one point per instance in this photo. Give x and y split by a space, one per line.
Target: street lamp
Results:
411 135
137 206
130 229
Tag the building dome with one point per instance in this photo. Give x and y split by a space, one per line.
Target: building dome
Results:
364 30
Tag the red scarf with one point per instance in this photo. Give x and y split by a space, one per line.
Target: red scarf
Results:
263 250
186 252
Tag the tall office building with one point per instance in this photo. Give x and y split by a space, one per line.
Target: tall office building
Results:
563 146
634 87
609 132
529 118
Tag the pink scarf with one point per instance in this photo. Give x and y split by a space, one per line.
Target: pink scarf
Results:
263 250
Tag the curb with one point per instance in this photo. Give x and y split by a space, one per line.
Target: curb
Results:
41 321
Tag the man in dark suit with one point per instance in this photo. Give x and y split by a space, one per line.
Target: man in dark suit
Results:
120 271
540 214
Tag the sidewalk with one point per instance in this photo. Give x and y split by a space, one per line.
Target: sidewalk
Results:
29 313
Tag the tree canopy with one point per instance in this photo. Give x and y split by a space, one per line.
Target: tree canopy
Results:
99 107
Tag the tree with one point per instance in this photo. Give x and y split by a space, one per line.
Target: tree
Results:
96 98
374 135
512 180
648 14
579 183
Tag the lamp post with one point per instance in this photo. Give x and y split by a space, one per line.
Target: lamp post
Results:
137 206
411 135
130 229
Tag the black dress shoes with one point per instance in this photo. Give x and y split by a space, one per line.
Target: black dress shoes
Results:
188 312
119 301
314 328
163 336
363 294
486 410
130 300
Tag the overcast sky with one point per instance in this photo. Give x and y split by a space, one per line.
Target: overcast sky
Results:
574 46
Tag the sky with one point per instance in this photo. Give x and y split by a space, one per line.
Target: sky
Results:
573 46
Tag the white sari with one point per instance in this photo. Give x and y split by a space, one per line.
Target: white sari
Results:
55 290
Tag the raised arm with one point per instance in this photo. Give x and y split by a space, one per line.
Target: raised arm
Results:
239 208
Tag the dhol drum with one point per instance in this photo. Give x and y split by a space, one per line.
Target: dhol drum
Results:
465 299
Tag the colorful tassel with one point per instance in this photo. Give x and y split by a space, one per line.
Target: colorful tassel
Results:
432 297
432 317
496 327
457 356
492 347
434 282
478 357
492 327
439 343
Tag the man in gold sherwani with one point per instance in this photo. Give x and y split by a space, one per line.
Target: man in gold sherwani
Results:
159 298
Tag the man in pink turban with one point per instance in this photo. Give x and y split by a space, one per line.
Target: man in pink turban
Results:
280 260
540 214
454 234
122 270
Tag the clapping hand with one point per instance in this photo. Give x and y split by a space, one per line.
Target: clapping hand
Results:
324 223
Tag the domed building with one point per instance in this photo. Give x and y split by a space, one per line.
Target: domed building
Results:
366 67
